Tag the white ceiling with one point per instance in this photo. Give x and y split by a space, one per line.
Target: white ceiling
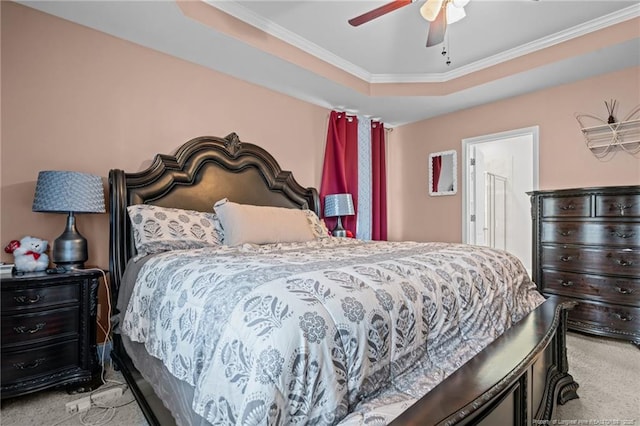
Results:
389 49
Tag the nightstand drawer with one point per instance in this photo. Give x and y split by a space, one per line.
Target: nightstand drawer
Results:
618 205
625 291
40 297
20 365
49 332
34 327
578 206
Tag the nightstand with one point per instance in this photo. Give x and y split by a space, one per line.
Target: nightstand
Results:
49 332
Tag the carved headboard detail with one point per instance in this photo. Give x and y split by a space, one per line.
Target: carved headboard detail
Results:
201 172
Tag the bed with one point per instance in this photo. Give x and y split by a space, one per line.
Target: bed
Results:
314 330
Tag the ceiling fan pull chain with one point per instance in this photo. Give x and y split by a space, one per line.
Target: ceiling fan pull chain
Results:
446 43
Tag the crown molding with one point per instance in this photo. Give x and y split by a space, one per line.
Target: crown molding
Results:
525 49
240 12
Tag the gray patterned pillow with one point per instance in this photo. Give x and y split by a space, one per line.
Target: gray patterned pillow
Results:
317 225
157 229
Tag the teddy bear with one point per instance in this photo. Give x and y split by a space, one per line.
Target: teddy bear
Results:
29 254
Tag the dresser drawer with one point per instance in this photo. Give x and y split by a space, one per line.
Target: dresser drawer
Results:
614 318
22 365
618 205
601 233
40 297
599 261
34 327
625 291
578 206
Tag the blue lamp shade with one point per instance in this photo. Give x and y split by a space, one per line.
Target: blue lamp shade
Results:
69 192
60 191
338 205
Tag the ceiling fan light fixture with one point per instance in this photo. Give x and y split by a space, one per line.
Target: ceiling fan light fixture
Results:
454 14
430 9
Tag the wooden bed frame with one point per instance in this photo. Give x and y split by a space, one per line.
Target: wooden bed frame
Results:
516 380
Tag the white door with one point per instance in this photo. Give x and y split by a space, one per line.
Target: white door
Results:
498 170
496 189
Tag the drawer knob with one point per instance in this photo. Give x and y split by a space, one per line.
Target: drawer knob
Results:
22 329
26 299
566 232
624 262
569 206
623 317
623 290
627 234
29 365
565 258
566 283
621 207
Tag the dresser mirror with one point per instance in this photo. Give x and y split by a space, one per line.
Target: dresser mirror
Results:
443 175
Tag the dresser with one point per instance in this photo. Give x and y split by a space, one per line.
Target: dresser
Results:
49 332
586 247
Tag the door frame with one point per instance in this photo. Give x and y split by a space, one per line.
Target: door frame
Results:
469 143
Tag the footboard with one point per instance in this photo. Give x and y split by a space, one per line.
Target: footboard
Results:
516 380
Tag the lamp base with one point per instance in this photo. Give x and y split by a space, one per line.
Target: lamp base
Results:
70 248
339 231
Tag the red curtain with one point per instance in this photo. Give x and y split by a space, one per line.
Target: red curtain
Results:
378 183
340 169
437 167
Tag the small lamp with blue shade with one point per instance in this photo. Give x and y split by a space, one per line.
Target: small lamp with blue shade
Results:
69 192
338 205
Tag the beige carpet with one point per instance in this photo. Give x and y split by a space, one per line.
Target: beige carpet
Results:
607 370
47 408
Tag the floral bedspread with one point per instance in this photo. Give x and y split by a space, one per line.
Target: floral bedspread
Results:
330 331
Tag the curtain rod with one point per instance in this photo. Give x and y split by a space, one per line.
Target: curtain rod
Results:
352 113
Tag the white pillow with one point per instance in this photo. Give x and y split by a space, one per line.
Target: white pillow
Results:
157 229
244 223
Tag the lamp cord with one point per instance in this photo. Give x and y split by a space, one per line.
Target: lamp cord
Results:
107 332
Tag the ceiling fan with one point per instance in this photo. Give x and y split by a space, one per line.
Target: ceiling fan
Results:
439 13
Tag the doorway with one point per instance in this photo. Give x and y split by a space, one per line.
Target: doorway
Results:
498 170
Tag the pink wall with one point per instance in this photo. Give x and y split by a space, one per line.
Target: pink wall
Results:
565 161
77 99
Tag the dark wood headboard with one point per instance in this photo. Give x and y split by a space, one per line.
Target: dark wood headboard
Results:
202 171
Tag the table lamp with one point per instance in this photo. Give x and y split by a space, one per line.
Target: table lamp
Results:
338 205
69 192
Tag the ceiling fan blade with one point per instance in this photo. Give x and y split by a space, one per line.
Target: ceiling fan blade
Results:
437 29
379 11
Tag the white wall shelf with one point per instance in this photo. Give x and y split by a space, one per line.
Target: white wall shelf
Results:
604 139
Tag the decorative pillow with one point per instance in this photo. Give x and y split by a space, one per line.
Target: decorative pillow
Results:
317 225
157 229
244 223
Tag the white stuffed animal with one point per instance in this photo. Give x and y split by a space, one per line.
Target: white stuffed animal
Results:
29 254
